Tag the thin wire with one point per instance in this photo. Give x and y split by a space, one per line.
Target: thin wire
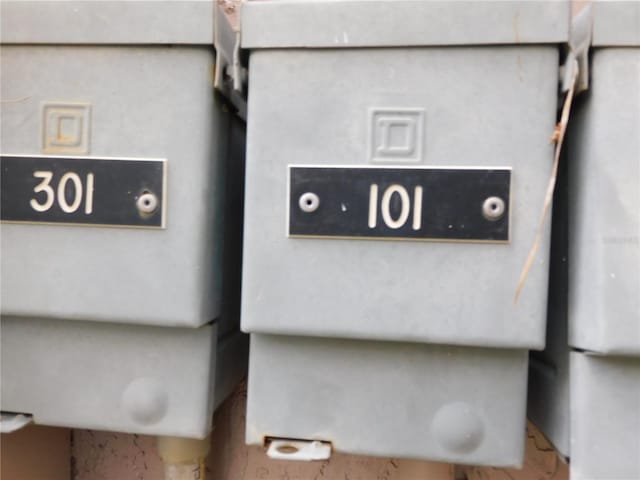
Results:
558 138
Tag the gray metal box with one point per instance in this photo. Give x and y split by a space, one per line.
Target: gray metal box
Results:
473 94
396 399
604 298
583 388
605 417
316 107
87 305
144 99
138 379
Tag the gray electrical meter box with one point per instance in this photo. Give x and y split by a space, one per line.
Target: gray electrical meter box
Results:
585 391
115 151
398 157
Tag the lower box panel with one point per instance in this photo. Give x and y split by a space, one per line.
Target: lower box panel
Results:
148 380
605 417
588 406
454 404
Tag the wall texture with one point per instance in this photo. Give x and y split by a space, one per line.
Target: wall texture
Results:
36 453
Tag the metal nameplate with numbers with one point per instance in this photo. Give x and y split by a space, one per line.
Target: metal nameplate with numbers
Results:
445 204
83 191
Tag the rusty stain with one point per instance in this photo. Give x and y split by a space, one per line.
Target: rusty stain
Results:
16 100
555 136
520 75
230 9
516 29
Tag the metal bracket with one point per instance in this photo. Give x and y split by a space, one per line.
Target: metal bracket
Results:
578 56
230 75
282 449
10 422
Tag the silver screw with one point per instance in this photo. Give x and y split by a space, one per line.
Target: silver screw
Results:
147 203
309 202
493 208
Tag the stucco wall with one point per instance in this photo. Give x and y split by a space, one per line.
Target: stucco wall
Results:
36 453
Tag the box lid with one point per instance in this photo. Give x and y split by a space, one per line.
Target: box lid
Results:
107 22
394 23
616 23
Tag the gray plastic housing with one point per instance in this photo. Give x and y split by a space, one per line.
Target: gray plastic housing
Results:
144 102
615 23
109 22
123 329
591 365
605 417
434 402
131 378
401 23
435 292
604 298
138 379
409 349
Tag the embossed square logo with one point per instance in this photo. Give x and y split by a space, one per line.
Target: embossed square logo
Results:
396 134
65 127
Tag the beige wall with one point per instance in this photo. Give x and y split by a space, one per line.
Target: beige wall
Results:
36 453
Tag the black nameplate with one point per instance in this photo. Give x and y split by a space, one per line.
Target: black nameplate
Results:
86 191
447 204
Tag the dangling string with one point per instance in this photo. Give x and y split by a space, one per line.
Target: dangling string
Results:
558 139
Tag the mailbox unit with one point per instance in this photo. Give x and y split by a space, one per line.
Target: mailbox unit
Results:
115 153
585 389
397 160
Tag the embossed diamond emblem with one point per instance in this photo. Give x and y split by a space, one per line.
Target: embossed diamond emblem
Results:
65 128
396 135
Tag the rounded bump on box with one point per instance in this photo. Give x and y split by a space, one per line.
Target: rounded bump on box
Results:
458 427
145 401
